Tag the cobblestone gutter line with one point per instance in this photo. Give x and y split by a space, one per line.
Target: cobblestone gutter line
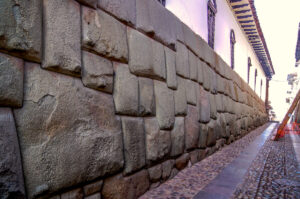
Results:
189 181
273 173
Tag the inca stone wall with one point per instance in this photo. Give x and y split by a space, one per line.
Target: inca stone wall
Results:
109 98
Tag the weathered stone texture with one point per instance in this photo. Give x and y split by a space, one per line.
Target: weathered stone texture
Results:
203 130
125 10
104 34
155 173
171 68
191 91
213 108
62 35
182 60
146 97
92 188
165 105
21 28
191 128
206 76
11 174
91 3
180 98
182 161
193 66
177 137
118 187
204 106
152 65
200 71
213 81
126 100
158 142
97 72
51 131
211 134
134 144
167 167
74 194
94 196
152 17
11 81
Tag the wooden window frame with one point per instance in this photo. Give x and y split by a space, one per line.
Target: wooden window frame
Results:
211 20
249 66
232 42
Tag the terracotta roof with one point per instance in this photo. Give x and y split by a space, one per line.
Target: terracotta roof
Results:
246 15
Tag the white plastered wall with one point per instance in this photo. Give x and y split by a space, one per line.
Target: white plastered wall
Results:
194 14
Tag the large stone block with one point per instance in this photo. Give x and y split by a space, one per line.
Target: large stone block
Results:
177 137
200 71
211 133
191 91
152 17
118 187
125 91
11 174
134 143
191 128
213 81
158 142
91 3
146 97
165 106
167 167
203 130
11 81
155 173
193 66
182 161
97 72
104 34
73 194
219 103
204 106
59 118
62 36
220 84
182 60
180 98
21 28
206 76
125 10
213 107
146 56
171 68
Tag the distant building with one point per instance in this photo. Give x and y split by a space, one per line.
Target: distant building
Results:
232 29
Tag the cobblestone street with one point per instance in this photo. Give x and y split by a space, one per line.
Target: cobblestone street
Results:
252 167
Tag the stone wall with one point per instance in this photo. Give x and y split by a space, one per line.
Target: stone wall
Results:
112 97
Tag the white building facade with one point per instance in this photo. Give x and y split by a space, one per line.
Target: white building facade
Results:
232 29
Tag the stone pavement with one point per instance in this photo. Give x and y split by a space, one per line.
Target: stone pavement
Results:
252 167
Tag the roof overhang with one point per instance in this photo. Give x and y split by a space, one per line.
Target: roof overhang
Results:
245 13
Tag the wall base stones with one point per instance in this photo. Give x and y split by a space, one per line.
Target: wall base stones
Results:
110 98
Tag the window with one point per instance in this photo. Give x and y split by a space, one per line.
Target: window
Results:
163 2
232 42
249 65
255 75
211 13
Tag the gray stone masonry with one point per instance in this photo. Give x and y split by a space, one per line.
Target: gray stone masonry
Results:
165 105
152 65
97 72
125 10
61 20
11 174
49 141
11 81
182 60
191 128
104 34
193 66
204 106
180 97
171 68
21 28
158 142
146 97
177 137
191 91
126 100
134 144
